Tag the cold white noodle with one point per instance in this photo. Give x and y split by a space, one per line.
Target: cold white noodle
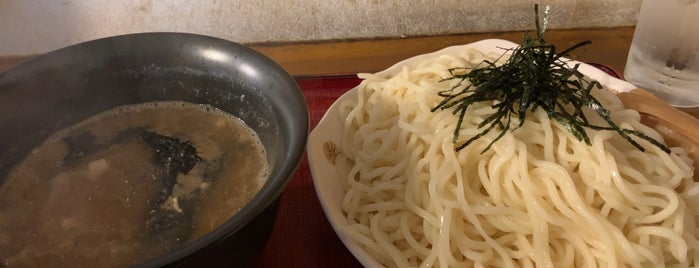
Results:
537 198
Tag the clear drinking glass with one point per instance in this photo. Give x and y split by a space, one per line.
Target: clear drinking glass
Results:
664 55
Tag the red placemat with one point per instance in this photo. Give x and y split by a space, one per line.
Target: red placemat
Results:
302 235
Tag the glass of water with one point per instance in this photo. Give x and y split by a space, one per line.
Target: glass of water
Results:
664 55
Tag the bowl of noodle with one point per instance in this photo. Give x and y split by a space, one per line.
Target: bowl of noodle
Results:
398 194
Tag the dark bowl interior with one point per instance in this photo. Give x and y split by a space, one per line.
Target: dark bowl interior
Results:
68 85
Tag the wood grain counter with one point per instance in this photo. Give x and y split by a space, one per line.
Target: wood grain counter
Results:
609 46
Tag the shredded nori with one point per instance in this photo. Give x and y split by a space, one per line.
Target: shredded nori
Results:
172 156
534 76
80 146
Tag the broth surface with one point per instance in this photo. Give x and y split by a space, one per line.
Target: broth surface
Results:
128 185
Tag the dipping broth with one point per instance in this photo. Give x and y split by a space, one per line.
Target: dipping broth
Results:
128 185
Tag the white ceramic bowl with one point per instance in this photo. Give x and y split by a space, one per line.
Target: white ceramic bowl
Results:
322 147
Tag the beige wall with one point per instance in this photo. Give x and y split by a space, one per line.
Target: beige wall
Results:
35 26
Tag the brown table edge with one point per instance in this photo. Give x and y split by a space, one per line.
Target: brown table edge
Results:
342 57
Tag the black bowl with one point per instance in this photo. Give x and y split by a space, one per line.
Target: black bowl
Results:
71 84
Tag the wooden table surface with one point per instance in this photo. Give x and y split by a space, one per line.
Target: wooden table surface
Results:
609 46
